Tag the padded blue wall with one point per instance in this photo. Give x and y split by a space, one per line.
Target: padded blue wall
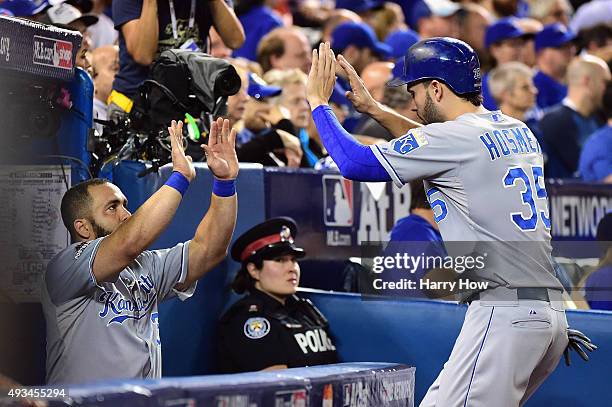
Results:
422 334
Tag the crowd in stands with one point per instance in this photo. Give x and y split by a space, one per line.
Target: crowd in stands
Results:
545 62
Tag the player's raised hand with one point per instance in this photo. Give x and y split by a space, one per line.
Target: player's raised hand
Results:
322 76
359 95
180 162
221 150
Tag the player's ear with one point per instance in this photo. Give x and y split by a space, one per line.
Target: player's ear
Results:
437 90
83 228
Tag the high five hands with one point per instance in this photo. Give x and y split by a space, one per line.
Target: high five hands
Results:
220 151
322 77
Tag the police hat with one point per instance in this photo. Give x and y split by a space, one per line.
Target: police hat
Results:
269 239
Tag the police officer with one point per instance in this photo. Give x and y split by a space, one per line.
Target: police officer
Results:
271 328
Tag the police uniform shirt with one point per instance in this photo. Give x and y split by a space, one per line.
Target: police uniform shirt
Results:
107 330
258 332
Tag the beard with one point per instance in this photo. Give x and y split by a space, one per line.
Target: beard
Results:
431 114
100 231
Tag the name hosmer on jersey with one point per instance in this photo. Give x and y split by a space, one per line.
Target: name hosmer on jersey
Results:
505 142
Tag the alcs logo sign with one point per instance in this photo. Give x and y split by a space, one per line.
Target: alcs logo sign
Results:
52 52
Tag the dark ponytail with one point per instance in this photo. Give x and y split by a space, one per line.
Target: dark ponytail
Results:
243 281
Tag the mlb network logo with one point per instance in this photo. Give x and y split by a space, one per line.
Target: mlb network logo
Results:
52 52
338 201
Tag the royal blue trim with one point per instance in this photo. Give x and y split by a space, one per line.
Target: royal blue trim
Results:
389 164
477 356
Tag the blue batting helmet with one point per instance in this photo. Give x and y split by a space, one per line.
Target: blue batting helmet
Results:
448 60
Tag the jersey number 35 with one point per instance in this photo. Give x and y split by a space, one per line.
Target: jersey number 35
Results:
529 222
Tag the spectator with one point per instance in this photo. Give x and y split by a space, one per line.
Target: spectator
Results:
555 49
508 8
473 20
103 32
67 16
257 19
336 18
532 27
284 48
218 49
551 11
415 235
359 6
375 76
358 44
596 156
512 88
598 287
386 20
435 18
566 127
148 27
366 9
267 136
271 326
590 14
26 8
236 104
104 66
310 13
400 41
257 108
293 99
106 286
505 40
597 40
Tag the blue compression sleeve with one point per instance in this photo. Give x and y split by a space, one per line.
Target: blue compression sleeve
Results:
355 161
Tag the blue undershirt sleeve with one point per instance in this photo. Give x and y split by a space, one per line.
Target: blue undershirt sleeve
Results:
355 160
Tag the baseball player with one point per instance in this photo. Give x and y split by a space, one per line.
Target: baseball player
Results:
483 177
100 294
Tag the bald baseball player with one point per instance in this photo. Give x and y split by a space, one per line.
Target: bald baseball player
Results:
100 294
483 175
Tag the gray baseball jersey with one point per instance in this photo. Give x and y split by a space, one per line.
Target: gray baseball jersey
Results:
484 180
107 330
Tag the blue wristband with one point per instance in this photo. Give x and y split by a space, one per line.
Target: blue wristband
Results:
224 188
178 181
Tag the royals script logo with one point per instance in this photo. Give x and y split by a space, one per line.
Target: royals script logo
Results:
121 308
52 52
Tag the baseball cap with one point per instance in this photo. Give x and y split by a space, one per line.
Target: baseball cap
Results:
65 14
359 6
25 8
268 239
360 35
259 89
503 29
553 36
400 41
427 8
